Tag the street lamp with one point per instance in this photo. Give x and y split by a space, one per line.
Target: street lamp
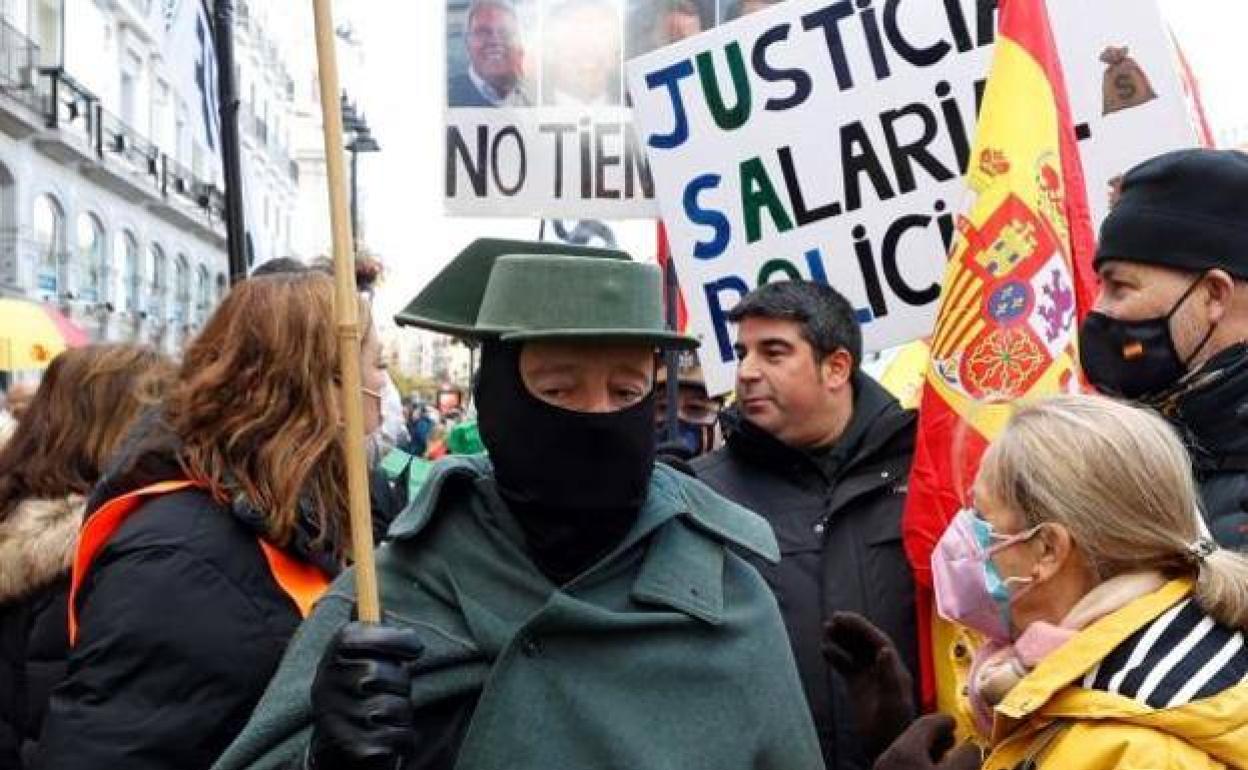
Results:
361 141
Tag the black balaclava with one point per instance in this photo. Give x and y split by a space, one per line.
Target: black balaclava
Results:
575 481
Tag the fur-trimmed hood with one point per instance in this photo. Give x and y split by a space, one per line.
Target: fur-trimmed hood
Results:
37 542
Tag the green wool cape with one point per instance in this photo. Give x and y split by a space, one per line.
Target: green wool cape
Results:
668 654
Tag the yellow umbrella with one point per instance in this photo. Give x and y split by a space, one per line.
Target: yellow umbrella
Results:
32 334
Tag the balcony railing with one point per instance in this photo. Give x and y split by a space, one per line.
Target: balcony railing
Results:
70 107
19 66
128 145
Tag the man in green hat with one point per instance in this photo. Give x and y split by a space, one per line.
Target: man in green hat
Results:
563 602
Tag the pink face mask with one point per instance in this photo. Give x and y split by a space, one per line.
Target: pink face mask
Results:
969 588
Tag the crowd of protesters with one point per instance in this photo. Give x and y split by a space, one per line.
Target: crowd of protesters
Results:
580 574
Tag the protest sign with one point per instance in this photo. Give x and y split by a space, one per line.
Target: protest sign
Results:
829 141
537 122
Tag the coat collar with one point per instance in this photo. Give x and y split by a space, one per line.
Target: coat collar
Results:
1202 408
1085 651
37 541
687 527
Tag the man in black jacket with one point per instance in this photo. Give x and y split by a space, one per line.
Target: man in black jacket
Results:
1170 325
823 453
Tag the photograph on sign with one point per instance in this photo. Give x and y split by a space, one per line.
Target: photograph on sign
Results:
487 51
537 118
582 45
536 123
653 24
826 141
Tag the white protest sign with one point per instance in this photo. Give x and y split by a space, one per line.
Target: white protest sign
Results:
552 162
536 115
828 141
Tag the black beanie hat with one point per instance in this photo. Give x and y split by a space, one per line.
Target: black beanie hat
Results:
1186 210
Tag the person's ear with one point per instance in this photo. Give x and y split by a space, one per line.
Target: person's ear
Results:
1220 289
836 369
1054 545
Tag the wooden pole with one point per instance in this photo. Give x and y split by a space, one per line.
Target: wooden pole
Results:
347 317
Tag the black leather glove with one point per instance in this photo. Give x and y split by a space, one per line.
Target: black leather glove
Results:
926 746
361 699
880 687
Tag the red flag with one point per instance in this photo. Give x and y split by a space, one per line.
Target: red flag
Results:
669 273
1018 282
1191 90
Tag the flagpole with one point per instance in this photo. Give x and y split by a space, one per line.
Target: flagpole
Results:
347 318
227 95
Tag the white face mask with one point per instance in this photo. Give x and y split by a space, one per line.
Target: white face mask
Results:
392 432
393 426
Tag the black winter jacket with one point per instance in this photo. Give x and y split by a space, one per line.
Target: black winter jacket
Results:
1210 411
181 627
36 548
840 541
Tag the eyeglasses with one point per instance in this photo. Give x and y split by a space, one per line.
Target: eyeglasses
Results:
695 413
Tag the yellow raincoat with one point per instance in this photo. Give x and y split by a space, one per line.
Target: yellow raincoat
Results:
1153 686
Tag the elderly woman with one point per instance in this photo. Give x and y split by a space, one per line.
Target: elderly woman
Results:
1115 626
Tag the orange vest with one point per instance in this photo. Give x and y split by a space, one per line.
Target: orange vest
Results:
303 583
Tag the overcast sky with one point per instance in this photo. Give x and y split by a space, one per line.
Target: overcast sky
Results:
403 96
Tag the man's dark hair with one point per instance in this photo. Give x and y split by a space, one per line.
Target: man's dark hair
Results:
827 319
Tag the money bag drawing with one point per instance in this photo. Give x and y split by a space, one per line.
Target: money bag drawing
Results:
1126 84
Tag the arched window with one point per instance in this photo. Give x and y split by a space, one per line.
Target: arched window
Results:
89 267
49 231
182 290
158 269
203 293
126 256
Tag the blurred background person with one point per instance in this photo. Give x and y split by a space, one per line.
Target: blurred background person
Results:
87 400
419 425
581 54
495 75
697 413
208 541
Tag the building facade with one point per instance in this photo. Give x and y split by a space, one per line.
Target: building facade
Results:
110 174
312 237
264 55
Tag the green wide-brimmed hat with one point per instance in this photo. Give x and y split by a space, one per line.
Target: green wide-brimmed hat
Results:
518 291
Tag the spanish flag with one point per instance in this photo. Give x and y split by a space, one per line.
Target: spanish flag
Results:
1017 285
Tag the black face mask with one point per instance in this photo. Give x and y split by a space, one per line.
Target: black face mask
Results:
1135 360
575 481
